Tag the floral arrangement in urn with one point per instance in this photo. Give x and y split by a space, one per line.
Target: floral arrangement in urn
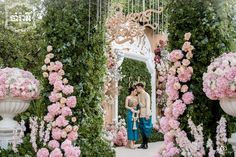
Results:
18 83
220 79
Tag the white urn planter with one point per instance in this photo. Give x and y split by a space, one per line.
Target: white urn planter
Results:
9 108
229 106
9 128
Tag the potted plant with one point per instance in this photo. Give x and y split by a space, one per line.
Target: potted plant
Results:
219 83
17 88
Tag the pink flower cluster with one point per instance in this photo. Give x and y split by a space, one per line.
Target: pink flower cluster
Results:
220 79
179 96
64 131
120 139
176 55
18 83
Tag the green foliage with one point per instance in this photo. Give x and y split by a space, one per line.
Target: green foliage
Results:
131 71
79 42
200 17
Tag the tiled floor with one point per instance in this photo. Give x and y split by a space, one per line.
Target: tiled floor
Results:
150 152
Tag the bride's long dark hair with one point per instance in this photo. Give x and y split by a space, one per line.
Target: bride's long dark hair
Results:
131 89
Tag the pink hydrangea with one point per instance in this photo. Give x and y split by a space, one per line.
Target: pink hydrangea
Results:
164 124
53 97
56 133
72 152
169 137
72 136
58 85
56 153
172 93
67 143
184 74
54 109
43 152
53 144
71 101
188 98
175 55
49 117
178 108
174 123
66 111
171 150
61 121
219 81
53 77
68 89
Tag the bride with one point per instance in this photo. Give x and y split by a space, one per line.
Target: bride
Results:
131 104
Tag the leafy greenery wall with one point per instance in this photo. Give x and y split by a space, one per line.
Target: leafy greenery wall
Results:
79 42
131 70
210 38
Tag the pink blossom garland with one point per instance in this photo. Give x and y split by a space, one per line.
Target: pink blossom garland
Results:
63 129
179 96
221 137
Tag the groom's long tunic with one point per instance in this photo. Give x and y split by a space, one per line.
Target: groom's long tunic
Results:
145 111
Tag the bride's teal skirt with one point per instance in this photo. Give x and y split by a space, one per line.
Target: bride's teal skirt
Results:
132 134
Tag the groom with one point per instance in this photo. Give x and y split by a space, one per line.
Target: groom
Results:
145 122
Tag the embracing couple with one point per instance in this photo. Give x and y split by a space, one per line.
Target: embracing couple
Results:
139 115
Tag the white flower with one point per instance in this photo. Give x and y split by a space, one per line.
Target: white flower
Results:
49 48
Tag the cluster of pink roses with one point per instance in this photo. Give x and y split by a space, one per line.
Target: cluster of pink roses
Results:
63 132
179 96
18 83
220 79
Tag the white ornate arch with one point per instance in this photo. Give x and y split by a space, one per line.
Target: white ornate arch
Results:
140 49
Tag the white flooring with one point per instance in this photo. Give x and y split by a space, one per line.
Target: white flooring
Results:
150 152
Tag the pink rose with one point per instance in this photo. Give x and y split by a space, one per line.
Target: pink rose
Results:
189 55
61 121
177 64
71 101
187 47
56 133
186 62
68 89
184 88
56 153
43 152
72 136
53 144
187 36
188 98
